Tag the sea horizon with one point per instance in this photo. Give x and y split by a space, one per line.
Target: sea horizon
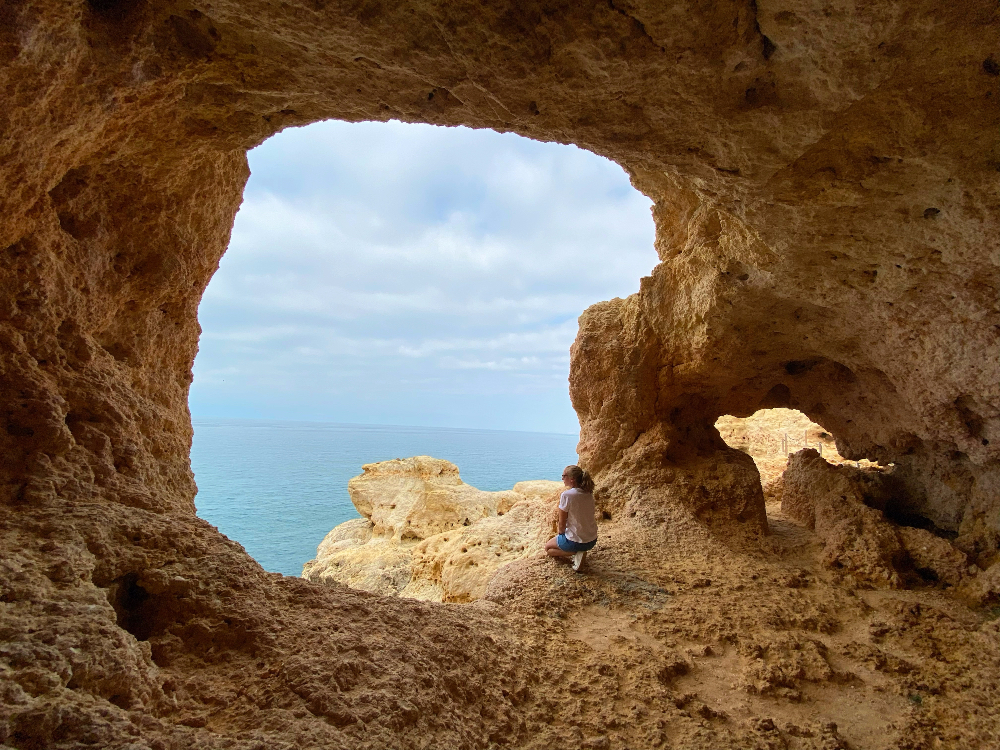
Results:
279 486
195 418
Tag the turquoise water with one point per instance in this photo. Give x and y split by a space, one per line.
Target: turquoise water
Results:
277 488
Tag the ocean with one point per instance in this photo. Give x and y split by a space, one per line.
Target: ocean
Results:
277 488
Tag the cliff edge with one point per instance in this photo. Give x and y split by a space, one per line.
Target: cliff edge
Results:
428 535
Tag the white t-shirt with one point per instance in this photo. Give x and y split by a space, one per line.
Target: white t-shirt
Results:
581 525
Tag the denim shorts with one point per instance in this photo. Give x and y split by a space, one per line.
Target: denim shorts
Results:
568 545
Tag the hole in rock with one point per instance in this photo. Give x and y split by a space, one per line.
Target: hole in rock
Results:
899 514
384 274
109 6
133 606
769 436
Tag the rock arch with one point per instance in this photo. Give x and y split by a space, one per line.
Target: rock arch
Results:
824 185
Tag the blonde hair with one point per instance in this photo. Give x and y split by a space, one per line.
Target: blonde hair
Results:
581 478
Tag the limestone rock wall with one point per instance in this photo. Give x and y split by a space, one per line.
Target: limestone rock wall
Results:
844 506
757 305
824 181
728 325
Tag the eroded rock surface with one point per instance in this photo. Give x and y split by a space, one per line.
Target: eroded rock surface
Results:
414 498
428 535
844 506
824 178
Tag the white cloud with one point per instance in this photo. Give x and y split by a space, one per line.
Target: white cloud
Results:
403 266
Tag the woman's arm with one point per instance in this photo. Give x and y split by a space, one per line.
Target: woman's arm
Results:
561 524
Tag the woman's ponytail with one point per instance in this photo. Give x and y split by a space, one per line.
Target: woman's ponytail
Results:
581 478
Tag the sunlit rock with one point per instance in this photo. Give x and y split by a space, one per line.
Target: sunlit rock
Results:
428 535
414 498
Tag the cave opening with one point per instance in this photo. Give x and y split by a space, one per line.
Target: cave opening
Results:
133 605
384 273
770 436
838 170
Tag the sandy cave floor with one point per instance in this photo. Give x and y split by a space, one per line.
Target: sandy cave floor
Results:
674 637
693 644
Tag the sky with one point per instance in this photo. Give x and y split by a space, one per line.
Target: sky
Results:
391 273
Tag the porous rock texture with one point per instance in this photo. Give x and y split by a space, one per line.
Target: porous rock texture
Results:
844 506
428 535
824 177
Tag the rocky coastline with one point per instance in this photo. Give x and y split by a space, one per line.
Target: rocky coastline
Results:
427 535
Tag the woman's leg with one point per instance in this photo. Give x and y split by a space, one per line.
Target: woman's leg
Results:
552 549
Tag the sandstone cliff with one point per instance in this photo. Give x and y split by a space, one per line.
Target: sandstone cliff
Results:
824 180
428 535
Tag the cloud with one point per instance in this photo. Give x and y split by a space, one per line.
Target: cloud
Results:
401 268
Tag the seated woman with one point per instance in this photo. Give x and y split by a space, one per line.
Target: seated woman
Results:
577 518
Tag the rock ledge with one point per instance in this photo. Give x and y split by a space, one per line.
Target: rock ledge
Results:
428 535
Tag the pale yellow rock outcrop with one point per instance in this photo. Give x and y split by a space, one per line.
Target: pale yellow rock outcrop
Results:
414 498
428 535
